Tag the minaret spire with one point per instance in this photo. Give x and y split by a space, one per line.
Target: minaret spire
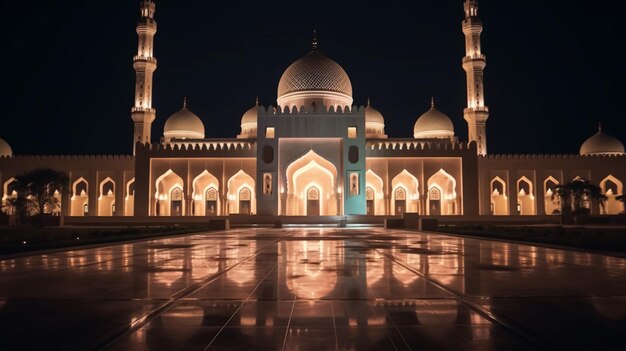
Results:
599 126
314 42
144 64
185 102
474 63
432 102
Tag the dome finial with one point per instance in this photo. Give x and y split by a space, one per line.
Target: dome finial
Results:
185 102
368 101
432 101
599 126
314 43
257 101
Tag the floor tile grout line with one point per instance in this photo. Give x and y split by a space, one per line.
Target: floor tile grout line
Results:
293 306
168 303
462 299
240 306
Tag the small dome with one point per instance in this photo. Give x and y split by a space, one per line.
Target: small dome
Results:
5 149
433 124
249 122
184 124
374 122
602 144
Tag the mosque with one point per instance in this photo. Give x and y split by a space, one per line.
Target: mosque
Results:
318 154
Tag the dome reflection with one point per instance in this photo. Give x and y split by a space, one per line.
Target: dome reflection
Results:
311 268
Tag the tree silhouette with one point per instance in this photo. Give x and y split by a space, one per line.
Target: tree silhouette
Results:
36 190
575 195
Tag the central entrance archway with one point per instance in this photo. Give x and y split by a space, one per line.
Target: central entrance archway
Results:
311 185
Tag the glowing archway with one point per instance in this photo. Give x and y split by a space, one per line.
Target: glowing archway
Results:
165 185
9 194
377 201
551 203
612 188
499 200
525 197
203 206
409 183
129 208
448 204
238 182
106 198
80 198
311 170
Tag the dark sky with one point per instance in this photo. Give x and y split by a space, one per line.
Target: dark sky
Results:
555 68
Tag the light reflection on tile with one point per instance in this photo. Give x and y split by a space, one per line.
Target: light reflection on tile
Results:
318 289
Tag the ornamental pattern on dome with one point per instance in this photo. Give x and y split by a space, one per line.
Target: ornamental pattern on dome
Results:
315 72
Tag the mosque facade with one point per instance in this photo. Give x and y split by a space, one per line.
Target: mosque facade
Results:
318 154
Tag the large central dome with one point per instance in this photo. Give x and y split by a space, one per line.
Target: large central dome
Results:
315 80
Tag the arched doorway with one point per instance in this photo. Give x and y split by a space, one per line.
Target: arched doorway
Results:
9 195
169 185
434 201
312 170
409 183
313 201
238 199
449 203
202 206
499 201
370 198
399 201
211 206
129 208
375 184
176 202
245 201
551 202
525 197
106 200
80 199
612 188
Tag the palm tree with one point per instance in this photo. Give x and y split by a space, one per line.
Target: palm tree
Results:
575 197
36 189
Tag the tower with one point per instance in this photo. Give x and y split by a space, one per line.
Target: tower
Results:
474 62
144 64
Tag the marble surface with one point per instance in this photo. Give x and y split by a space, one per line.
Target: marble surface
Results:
314 289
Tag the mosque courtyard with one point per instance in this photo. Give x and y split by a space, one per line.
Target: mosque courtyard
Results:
313 289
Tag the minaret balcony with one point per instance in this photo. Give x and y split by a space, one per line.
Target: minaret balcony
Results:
471 58
144 59
483 109
143 109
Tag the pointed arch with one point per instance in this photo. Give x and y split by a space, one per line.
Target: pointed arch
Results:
376 204
164 186
551 204
200 185
409 183
106 197
525 197
236 184
79 202
129 200
309 170
499 200
449 202
612 188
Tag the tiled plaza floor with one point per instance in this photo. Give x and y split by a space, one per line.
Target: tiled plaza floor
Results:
314 289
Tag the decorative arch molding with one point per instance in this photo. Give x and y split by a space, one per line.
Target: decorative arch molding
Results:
611 205
129 199
236 183
449 203
552 204
525 200
376 205
106 201
79 202
310 159
306 171
164 186
409 183
202 206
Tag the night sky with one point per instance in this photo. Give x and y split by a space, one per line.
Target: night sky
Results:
554 68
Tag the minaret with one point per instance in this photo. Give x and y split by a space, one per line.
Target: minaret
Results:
476 113
144 64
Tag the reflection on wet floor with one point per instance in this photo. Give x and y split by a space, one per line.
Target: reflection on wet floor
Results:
318 289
